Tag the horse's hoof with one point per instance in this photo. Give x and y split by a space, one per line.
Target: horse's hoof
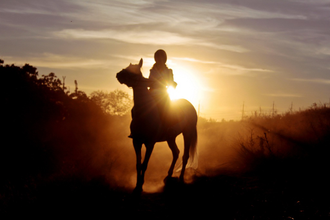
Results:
166 179
169 179
137 191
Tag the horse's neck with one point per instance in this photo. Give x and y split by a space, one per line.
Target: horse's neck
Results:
141 97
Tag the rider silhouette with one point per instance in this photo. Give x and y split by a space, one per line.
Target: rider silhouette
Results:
161 77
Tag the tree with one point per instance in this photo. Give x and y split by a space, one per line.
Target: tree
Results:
116 102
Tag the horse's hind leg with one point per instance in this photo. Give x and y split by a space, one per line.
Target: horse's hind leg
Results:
175 152
185 157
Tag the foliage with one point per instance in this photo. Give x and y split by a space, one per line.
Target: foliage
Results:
46 129
285 142
116 102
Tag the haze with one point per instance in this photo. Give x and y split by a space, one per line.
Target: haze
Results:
225 53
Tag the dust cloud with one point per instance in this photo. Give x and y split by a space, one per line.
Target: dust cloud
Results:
216 155
264 144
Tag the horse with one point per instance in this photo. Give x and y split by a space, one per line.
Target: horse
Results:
147 127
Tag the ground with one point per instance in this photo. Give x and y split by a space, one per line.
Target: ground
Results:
223 196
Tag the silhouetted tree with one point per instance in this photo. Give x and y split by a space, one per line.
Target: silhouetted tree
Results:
51 81
116 102
44 127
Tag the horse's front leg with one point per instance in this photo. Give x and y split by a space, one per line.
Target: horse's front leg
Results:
175 153
139 181
149 149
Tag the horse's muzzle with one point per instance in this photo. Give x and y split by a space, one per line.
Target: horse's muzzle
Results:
120 77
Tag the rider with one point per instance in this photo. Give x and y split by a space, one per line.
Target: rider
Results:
161 77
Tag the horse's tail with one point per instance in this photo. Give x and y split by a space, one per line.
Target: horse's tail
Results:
193 153
188 126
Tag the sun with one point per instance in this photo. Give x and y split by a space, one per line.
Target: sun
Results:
188 86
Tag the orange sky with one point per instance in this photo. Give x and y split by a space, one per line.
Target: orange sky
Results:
222 53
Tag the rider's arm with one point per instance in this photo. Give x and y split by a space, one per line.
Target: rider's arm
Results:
171 80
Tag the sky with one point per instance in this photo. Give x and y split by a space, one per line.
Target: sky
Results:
224 53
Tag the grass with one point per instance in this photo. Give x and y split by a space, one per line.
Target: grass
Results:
289 143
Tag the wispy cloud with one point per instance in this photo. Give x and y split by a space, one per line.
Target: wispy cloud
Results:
245 69
233 48
189 59
283 95
49 60
320 81
221 65
234 11
136 37
149 37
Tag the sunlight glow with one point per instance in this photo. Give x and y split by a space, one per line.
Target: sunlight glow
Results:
188 86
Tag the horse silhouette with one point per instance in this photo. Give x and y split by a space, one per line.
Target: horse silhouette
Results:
147 127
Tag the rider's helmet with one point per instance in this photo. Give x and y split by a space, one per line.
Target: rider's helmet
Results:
160 56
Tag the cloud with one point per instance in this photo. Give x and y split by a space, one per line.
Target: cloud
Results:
231 69
233 48
135 37
49 60
283 95
221 9
313 2
150 37
147 61
189 59
244 69
235 11
319 81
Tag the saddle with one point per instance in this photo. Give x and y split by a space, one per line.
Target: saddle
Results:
162 121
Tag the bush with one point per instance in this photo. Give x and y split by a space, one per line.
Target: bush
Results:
48 131
293 141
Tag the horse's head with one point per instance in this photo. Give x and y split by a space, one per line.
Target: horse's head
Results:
131 74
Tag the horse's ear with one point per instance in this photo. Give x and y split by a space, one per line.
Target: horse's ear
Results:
141 63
